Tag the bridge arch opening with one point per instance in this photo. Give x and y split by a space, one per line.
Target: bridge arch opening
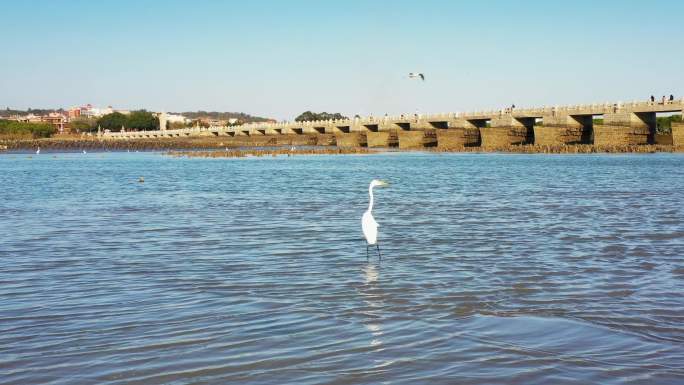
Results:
405 126
440 125
527 121
663 131
479 123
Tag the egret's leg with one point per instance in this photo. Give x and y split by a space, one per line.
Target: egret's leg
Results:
377 246
367 255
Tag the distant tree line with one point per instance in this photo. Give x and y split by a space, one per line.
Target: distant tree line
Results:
215 115
664 123
7 112
20 129
309 116
140 120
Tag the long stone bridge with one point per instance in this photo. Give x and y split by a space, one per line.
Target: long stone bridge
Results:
622 123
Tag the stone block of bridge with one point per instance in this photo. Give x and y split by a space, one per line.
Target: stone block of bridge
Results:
417 139
352 139
627 128
340 128
378 139
358 127
505 130
454 138
373 126
326 140
678 134
420 125
561 135
309 130
631 119
397 125
563 120
293 130
506 136
411 139
663 139
464 123
616 135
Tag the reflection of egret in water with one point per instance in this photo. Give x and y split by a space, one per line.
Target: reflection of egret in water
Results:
373 304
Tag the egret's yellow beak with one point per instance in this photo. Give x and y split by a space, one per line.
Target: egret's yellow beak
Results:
384 184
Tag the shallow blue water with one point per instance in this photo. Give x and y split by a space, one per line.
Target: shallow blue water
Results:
497 269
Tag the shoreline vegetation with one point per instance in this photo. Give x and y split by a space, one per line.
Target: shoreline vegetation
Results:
20 130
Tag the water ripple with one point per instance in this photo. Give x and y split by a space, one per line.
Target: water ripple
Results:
517 269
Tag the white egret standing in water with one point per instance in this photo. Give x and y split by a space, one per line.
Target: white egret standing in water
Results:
368 223
38 151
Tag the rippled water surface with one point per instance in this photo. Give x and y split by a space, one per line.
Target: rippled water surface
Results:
496 269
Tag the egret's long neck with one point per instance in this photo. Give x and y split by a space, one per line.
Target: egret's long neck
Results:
370 192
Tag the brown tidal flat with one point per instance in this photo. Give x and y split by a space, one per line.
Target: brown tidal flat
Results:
281 145
234 153
565 149
161 144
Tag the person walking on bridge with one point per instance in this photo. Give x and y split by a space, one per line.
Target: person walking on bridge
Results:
652 99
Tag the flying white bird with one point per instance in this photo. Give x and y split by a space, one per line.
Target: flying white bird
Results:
368 223
415 75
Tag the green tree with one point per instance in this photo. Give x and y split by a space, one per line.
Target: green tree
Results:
142 120
37 130
664 123
83 124
176 125
198 122
309 116
113 121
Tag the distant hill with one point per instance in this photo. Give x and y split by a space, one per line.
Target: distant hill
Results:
223 116
38 111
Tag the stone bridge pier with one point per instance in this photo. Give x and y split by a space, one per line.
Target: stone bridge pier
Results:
415 132
625 127
562 128
380 133
678 134
507 130
630 123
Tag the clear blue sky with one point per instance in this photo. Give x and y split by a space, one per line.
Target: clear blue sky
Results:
279 58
